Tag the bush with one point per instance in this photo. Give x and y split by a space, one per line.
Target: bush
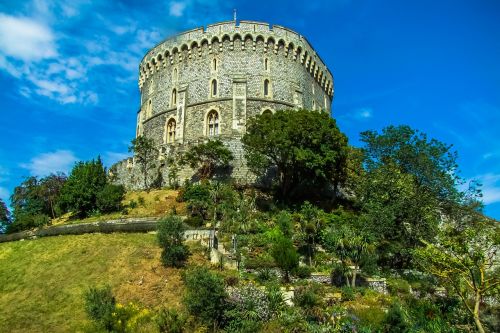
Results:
265 275
248 308
302 272
195 221
141 201
132 204
348 294
398 286
100 305
205 295
307 296
170 321
109 199
171 237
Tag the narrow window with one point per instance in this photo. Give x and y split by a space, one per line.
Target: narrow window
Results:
266 87
214 88
314 105
266 65
171 131
175 74
213 123
215 64
174 97
149 110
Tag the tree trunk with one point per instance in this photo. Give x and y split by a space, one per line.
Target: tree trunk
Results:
479 326
354 272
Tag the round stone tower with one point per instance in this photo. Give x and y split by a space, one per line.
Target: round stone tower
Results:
207 82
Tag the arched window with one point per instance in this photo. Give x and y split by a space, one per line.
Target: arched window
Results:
213 123
171 131
314 105
267 112
266 87
214 64
174 97
149 109
214 87
266 64
175 74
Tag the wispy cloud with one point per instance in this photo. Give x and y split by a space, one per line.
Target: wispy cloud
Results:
52 162
176 8
490 187
357 115
24 38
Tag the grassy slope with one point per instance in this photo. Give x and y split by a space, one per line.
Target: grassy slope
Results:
42 281
155 203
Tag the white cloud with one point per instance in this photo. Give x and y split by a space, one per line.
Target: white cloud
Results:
26 39
177 8
490 187
363 113
47 163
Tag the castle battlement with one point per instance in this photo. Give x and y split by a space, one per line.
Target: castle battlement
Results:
275 38
206 83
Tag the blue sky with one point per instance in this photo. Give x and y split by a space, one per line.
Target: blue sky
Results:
68 73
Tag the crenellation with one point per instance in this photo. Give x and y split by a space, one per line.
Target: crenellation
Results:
211 80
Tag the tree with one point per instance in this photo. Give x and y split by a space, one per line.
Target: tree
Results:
30 205
206 158
109 199
171 238
205 295
51 187
305 147
145 155
350 245
310 221
408 183
4 216
285 255
79 193
466 259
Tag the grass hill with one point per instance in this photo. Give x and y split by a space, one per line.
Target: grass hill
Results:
42 280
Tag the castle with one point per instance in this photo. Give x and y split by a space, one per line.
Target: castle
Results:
207 82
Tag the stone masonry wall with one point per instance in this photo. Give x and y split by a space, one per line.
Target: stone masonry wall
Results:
175 80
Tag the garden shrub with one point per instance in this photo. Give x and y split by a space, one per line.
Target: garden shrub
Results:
275 298
265 275
195 221
205 295
100 305
170 321
171 237
348 293
247 309
302 272
109 199
398 286
307 296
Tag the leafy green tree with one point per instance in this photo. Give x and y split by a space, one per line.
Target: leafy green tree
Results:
79 193
285 255
408 184
206 158
171 238
4 216
32 202
145 154
109 199
205 295
305 147
311 220
350 245
466 260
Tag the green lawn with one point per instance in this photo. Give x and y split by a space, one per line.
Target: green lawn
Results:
42 281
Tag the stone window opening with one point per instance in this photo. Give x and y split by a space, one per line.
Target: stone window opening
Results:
267 112
266 87
266 64
214 88
214 64
149 109
171 131
174 97
175 75
213 123
314 105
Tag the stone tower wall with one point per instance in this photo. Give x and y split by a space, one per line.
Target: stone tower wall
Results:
245 55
